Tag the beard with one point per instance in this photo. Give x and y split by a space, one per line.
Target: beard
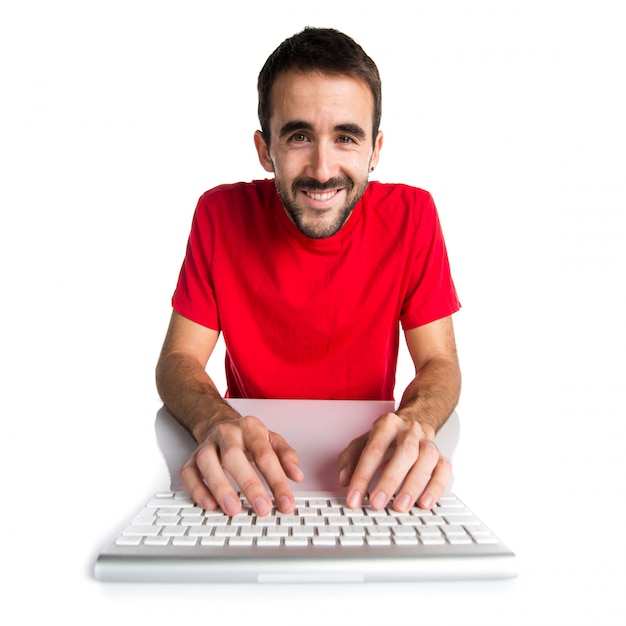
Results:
320 229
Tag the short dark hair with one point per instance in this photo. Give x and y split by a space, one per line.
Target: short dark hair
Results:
323 50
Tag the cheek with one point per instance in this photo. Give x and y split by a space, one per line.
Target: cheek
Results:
287 168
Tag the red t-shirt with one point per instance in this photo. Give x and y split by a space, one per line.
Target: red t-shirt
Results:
316 319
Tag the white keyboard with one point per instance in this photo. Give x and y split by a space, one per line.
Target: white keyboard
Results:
172 519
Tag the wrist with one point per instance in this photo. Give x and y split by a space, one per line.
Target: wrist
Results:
410 416
204 426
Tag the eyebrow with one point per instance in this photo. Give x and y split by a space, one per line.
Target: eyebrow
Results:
352 129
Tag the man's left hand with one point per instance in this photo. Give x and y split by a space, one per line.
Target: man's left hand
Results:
412 466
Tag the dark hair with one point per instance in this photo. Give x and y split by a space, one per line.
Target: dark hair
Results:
323 50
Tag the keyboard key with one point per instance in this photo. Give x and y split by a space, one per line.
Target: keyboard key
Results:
324 541
307 511
157 503
378 541
433 541
316 502
268 541
212 541
294 541
454 531
173 531
239 541
200 531
142 530
460 541
146 516
486 540
400 540
184 541
350 540
385 520
128 540
156 541
449 501
192 521
167 511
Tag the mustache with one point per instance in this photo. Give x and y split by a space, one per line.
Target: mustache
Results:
311 184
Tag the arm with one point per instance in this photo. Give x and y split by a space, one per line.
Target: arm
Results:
405 439
225 439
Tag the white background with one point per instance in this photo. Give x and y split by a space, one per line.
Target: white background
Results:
116 116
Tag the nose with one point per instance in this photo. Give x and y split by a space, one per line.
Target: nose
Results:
322 166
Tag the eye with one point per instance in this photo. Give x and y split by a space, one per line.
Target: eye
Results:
298 138
346 139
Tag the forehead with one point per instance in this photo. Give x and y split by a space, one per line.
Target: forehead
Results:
313 96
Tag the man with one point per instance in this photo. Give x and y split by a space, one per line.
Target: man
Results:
309 277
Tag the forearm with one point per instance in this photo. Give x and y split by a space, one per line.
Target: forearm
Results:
190 395
433 394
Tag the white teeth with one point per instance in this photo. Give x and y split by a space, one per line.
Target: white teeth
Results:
320 197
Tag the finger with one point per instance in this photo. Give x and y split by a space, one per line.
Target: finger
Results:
209 468
194 481
349 458
261 445
426 481
287 456
379 441
234 444
196 487
290 463
406 455
437 484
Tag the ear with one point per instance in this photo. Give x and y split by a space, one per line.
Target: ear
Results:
263 151
378 144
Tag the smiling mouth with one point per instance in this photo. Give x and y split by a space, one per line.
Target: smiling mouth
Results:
322 196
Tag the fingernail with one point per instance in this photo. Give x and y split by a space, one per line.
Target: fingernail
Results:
343 476
207 504
230 505
378 500
402 502
262 506
285 505
427 502
354 499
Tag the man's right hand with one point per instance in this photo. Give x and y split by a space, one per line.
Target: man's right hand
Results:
233 446
226 442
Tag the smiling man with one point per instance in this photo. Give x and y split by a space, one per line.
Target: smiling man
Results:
309 276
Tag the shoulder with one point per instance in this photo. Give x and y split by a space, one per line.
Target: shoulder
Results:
249 194
235 207
389 191
397 201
